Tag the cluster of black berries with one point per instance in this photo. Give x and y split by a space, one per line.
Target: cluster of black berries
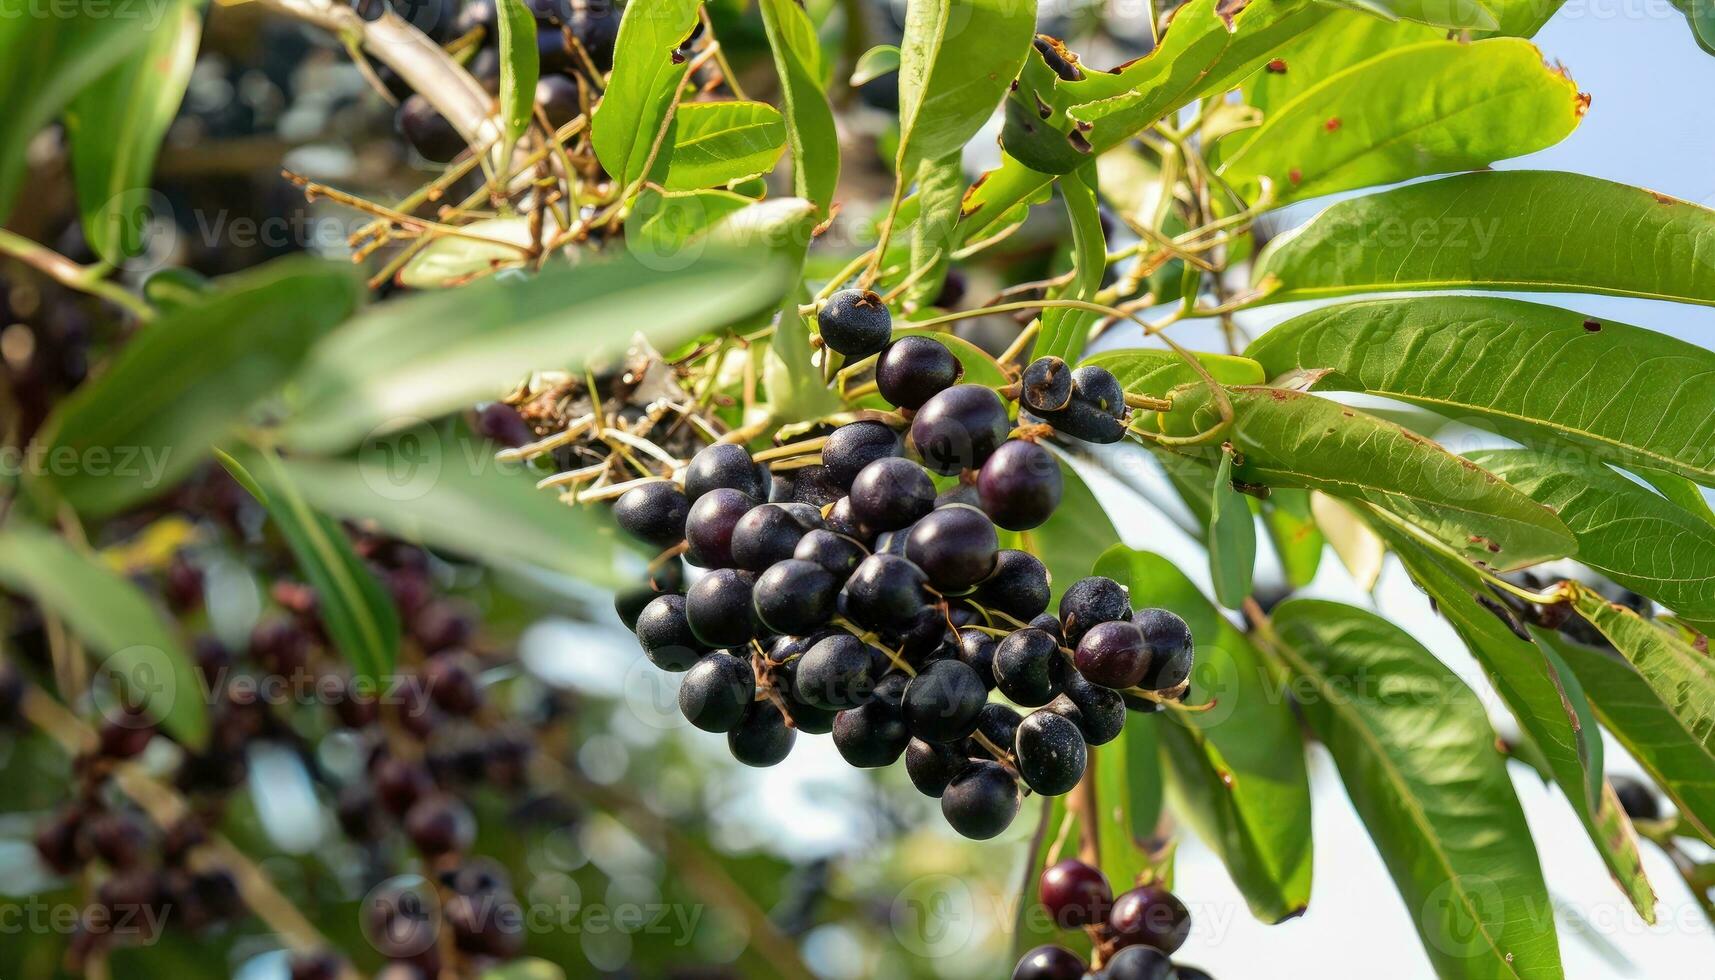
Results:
852 596
1133 935
574 38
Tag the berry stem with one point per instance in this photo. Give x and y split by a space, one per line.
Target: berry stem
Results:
791 449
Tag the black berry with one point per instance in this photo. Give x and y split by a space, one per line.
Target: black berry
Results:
1140 963
889 494
834 552
955 546
960 428
709 526
1113 655
428 132
769 533
1018 587
932 765
886 592
1098 712
1075 894
666 636
855 445
1050 963
717 692
1150 915
725 465
835 674
1046 385
719 608
981 801
913 370
874 734
1051 753
855 322
795 596
763 738
1170 649
1090 601
1020 485
943 702
653 513
1028 667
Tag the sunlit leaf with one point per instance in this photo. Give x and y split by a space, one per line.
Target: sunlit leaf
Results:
1418 759
1508 230
715 143
809 120
1232 538
630 121
955 64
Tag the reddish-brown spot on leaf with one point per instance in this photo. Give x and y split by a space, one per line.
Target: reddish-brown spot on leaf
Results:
1295 175
1332 124
1277 66
1593 326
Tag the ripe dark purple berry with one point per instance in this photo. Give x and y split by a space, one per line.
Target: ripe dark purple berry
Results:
717 692
666 636
763 738
1098 712
315 966
960 428
834 552
1140 963
453 681
998 725
630 603
1020 485
1046 385
886 592
1090 601
725 465
653 513
1096 386
1075 894
1050 963
710 524
873 734
1018 587
855 445
855 322
944 701
976 648
558 95
1028 667
428 132
1113 655
892 493
838 672
595 25
719 608
1150 915
769 534
795 596
932 765
438 824
1051 753
955 546
1171 650
1636 798
913 370
981 801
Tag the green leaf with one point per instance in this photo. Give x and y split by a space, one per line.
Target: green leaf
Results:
809 119
1523 368
883 59
661 224
1418 758
1641 540
49 60
1458 15
643 90
1343 40
1055 124
1681 491
1522 18
1508 230
114 618
455 260
452 494
1079 528
1238 768
715 143
1542 693
1292 439
1422 109
1064 331
955 64
940 193
1297 540
186 380
419 358
1681 677
1700 15
115 127
1677 757
520 67
1232 537
356 609
1128 792
1150 371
